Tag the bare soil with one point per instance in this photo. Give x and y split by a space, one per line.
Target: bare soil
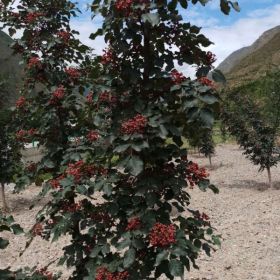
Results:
246 213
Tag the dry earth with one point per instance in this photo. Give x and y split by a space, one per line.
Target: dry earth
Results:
245 212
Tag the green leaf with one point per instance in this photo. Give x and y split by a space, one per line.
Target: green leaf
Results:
216 240
235 6
208 98
176 268
135 165
3 243
218 76
5 274
206 117
121 148
153 19
184 3
16 228
225 7
161 256
214 189
129 258
49 164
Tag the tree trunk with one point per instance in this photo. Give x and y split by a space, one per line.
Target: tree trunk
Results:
210 160
269 177
4 203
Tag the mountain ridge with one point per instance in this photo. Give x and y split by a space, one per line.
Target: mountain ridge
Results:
251 63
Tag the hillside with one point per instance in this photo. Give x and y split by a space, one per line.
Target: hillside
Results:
10 70
250 63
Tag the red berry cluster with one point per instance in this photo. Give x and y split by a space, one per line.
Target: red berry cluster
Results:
23 135
64 36
124 6
195 173
133 224
34 62
80 169
211 58
90 97
107 56
103 273
37 229
134 125
32 17
177 77
162 235
55 183
206 82
21 102
73 73
107 97
92 136
45 273
57 95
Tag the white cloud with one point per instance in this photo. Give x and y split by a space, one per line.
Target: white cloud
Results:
243 32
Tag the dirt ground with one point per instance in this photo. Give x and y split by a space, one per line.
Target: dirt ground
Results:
246 213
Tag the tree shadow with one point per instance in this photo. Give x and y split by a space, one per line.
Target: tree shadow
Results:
249 184
276 185
24 201
216 166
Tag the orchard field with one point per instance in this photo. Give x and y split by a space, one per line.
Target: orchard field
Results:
245 213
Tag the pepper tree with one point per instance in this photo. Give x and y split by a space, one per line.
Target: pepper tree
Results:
207 145
10 157
9 148
113 177
255 130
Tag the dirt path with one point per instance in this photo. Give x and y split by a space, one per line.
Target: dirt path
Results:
245 212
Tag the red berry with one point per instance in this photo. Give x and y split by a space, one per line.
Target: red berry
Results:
21 102
92 136
73 73
34 62
133 224
177 77
206 82
134 125
162 235
57 95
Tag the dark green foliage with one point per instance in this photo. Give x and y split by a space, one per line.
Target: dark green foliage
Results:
9 148
207 145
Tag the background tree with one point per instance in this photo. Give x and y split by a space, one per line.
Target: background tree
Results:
254 125
111 145
207 146
9 148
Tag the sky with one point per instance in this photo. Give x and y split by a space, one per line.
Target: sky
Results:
227 32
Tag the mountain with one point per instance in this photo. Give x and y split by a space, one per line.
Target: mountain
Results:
252 62
10 70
